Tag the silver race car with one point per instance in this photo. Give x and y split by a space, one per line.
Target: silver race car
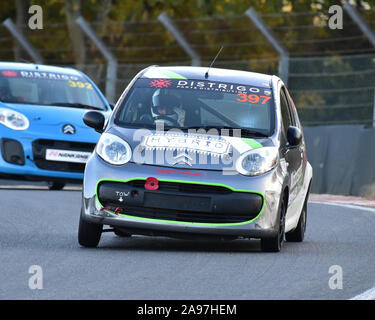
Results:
195 154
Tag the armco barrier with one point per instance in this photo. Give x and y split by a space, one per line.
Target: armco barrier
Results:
343 159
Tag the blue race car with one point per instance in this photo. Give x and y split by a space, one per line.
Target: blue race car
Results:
42 135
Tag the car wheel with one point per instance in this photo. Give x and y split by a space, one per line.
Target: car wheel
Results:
56 185
121 234
89 233
298 234
274 244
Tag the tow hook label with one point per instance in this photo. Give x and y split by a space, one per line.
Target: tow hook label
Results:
121 194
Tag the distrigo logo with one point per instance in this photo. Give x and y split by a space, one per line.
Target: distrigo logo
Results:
160 83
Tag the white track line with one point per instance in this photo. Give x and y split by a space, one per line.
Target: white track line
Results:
350 206
370 293
367 295
32 187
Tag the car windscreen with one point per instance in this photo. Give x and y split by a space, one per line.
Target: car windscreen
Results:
48 88
184 104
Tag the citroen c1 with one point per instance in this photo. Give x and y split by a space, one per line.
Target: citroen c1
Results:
42 135
189 153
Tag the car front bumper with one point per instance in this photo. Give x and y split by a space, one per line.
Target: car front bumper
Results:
18 157
263 224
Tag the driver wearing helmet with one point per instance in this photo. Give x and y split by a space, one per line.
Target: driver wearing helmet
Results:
166 109
5 94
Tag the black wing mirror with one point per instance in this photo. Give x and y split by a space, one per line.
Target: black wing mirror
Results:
294 136
94 120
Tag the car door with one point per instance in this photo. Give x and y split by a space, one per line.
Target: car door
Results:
293 155
302 159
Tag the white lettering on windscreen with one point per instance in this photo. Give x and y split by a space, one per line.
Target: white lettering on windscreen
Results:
215 86
47 75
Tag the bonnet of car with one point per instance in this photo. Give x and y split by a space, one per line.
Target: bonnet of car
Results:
186 150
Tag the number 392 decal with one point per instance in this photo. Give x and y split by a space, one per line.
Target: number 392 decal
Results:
80 84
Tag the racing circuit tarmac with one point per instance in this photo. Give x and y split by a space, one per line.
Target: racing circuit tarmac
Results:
39 227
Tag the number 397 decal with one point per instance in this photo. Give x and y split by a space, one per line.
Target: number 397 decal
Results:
252 98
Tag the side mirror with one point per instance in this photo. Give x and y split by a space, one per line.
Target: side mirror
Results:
94 120
294 136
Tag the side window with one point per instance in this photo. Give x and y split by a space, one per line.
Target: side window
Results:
293 109
285 113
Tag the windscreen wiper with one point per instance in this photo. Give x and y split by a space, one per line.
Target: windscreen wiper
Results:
244 131
19 102
198 127
74 105
253 133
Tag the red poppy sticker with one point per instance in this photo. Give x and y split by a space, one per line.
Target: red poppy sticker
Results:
152 184
160 83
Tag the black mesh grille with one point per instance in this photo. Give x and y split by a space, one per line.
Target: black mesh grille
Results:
179 201
39 153
188 216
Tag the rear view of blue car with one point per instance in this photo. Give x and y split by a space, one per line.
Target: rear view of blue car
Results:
42 135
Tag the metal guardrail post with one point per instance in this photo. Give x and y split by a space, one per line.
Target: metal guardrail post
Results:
272 39
12 28
110 86
360 22
169 25
367 31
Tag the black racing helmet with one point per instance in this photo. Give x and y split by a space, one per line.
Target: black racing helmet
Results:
163 100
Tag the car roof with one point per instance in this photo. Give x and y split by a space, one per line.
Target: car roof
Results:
215 74
38 67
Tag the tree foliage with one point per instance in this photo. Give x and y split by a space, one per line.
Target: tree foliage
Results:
132 32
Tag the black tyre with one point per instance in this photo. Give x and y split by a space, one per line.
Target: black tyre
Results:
298 234
89 233
274 244
56 185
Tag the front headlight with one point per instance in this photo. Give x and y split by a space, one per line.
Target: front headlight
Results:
113 149
258 161
13 119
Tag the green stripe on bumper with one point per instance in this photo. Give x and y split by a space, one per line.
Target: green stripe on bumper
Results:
182 222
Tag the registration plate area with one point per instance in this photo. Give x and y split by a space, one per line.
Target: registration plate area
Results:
177 202
67 155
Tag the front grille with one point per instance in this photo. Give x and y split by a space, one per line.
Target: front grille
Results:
180 202
39 152
187 216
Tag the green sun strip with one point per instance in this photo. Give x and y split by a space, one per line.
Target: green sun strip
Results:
182 222
252 143
172 75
